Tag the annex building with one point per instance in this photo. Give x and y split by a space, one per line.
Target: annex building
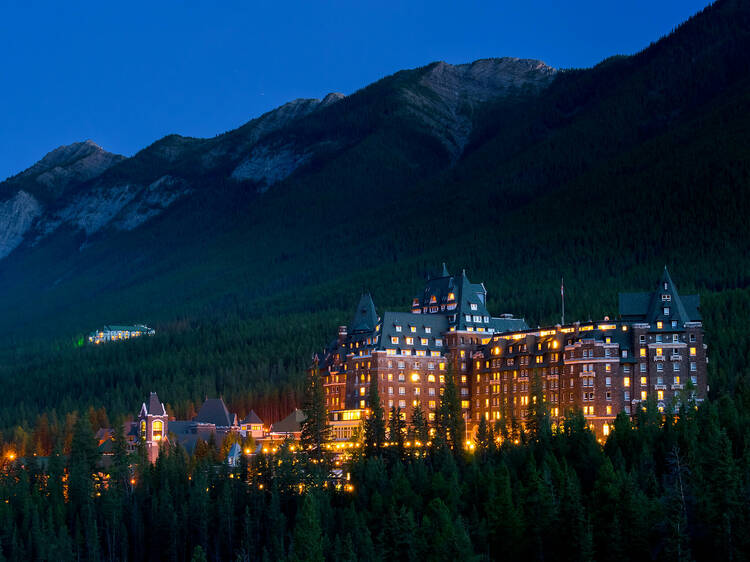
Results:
654 349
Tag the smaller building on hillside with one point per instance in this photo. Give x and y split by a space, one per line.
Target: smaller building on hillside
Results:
119 333
288 428
252 426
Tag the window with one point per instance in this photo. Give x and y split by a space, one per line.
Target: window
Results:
624 353
626 395
467 317
423 341
643 367
642 339
693 366
400 364
430 378
692 337
659 325
659 380
608 367
643 381
402 403
390 390
431 391
660 367
666 311
438 343
464 404
398 328
674 325
676 366
643 395
694 379
427 330
394 340
608 381
402 390
660 394
473 306
626 382
409 341
643 352
692 352
677 379
415 377
609 413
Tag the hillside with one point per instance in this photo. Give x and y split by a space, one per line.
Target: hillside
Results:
247 250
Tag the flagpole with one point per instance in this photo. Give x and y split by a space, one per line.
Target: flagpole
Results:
562 296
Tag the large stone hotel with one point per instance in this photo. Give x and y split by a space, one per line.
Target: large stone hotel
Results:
654 349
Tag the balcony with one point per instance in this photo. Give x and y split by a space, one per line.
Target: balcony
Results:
675 357
678 386
658 358
660 387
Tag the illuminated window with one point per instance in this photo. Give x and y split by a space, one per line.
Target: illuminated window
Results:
361 403
143 429
626 381
423 341
677 379
692 352
394 340
409 341
643 381
608 367
415 377
659 325
643 395
362 391
413 329
643 352
609 410
660 394
430 378
605 429
464 404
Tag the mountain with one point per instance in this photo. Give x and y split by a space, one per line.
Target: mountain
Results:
246 250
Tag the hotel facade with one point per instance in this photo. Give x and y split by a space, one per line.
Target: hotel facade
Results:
654 349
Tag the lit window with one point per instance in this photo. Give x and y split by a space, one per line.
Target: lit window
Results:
394 340
626 381
643 352
643 381
413 329
605 428
361 403
415 377
692 352
659 325
409 341
423 341
660 394
609 412
643 395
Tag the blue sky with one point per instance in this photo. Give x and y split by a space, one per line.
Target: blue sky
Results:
126 74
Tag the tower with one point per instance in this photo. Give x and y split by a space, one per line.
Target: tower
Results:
152 425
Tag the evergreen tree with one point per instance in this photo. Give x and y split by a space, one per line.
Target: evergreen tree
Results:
449 420
375 423
396 428
308 536
316 431
420 429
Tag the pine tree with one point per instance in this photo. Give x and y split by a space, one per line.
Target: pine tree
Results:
316 431
375 424
450 422
396 427
420 430
308 536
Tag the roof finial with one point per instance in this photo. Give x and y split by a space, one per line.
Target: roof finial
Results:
445 271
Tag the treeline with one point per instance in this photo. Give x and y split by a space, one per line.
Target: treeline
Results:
663 487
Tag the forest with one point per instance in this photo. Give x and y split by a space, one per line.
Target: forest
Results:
662 487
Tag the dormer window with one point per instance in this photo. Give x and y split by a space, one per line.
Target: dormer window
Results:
394 340
413 329
473 306
398 328
666 311
666 286
659 325
433 299
666 298
427 330
451 296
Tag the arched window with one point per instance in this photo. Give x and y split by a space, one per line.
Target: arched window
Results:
143 429
157 429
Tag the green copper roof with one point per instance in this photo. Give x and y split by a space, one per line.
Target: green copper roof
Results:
365 318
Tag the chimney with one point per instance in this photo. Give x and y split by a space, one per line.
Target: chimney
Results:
342 335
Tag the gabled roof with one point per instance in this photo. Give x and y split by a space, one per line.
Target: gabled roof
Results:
215 411
437 324
252 418
506 324
365 318
650 307
290 424
154 408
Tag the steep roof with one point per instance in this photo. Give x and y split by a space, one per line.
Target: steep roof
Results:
252 418
290 424
154 408
215 411
429 327
365 318
665 305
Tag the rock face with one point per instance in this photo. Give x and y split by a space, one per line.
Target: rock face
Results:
93 192
450 94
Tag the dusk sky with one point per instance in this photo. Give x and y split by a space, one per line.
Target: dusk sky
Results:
126 74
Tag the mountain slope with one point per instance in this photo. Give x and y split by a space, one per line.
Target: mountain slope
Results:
601 175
